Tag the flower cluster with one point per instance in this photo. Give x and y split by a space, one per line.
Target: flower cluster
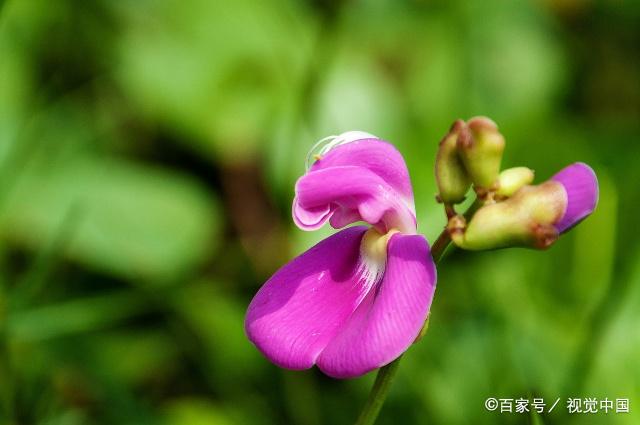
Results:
510 211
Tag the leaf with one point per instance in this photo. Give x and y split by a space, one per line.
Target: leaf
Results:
133 221
78 315
215 71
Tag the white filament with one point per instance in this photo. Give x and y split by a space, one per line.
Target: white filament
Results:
323 146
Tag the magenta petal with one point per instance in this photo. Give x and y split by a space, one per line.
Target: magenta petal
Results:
581 185
353 194
301 308
311 218
390 317
375 155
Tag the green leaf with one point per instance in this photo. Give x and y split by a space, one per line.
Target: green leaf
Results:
132 220
215 71
78 315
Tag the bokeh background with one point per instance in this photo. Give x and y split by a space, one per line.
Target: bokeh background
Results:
148 151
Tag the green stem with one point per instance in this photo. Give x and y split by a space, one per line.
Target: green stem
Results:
378 393
386 373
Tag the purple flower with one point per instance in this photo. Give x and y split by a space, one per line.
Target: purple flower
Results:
358 299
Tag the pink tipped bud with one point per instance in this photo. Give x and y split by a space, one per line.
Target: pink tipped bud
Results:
534 216
527 219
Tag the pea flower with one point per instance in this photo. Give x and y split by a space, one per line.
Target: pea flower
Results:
358 299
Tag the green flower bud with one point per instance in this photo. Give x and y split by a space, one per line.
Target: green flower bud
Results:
512 179
481 148
526 219
451 176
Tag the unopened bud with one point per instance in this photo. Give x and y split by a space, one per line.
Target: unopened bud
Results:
581 185
512 179
527 219
481 148
451 176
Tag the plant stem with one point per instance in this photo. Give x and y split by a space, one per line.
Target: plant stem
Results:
386 373
378 393
440 246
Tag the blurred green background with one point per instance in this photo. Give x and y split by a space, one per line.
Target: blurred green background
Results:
148 151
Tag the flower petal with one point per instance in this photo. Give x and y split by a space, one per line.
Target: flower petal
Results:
304 304
581 185
390 317
350 194
375 155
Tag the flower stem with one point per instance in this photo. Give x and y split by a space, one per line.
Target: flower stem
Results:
378 393
440 246
386 373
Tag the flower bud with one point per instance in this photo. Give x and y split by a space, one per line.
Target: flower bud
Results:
481 147
451 176
581 185
526 219
512 179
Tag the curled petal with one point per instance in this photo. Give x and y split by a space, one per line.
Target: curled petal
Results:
390 317
312 218
346 194
581 185
375 155
356 180
301 308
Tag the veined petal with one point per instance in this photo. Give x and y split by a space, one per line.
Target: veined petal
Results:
390 317
356 180
377 156
304 304
346 194
581 185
